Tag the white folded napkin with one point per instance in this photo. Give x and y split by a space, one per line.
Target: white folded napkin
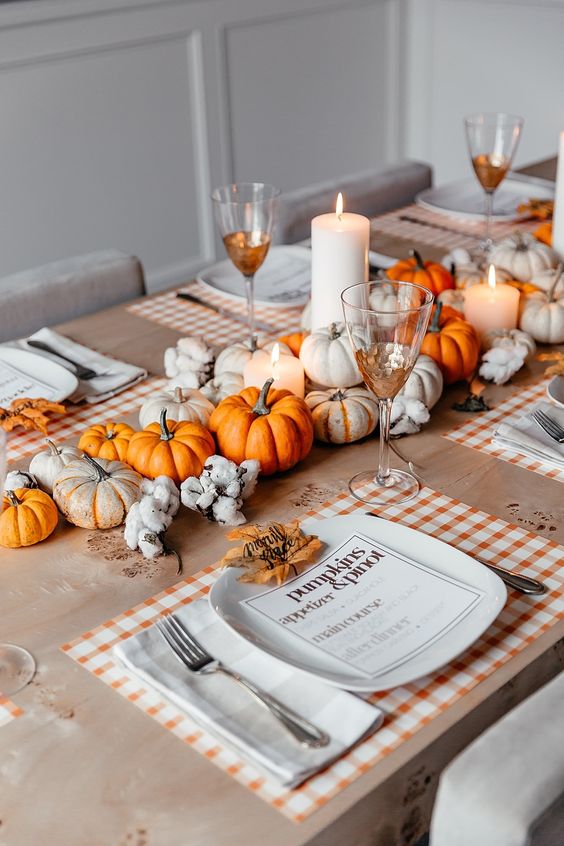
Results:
528 438
119 375
230 713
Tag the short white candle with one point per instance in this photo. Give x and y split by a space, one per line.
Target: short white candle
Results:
286 370
491 306
339 258
558 219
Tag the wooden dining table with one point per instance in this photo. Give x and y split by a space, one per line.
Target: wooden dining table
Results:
83 767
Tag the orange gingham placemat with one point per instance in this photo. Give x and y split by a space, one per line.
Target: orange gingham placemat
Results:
61 428
8 711
193 319
409 708
477 433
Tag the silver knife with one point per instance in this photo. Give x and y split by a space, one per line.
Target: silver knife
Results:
230 315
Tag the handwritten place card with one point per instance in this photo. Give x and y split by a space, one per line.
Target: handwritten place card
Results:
15 384
368 606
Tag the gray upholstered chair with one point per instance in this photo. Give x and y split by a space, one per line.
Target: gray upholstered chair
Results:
371 192
507 788
66 289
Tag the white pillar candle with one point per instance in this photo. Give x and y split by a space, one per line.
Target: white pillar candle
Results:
558 218
286 370
491 306
339 258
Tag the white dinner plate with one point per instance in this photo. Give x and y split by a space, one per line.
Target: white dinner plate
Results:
465 198
227 593
39 376
555 390
283 280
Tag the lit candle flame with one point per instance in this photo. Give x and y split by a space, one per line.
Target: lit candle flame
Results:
275 362
339 206
491 277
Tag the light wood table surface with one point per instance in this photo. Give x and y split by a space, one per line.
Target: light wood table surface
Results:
84 767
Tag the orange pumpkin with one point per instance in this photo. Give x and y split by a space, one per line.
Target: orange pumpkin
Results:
429 274
170 449
453 343
27 516
273 426
294 341
106 440
523 287
543 233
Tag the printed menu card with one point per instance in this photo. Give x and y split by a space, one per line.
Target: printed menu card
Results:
368 606
15 383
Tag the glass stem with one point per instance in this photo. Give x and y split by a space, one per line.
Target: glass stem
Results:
385 409
488 210
250 294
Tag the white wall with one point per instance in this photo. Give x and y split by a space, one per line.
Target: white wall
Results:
119 117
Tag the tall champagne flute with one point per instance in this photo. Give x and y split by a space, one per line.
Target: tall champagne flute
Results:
17 666
492 139
386 323
245 213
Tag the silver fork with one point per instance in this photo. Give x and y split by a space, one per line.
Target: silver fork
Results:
550 426
187 649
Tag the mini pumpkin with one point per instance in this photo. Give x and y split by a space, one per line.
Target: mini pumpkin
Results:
453 343
273 426
234 357
547 279
425 382
106 440
173 449
429 274
543 233
180 404
45 465
293 341
223 385
542 315
344 415
95 493
472 274
453 297
28 516
522 255
328 358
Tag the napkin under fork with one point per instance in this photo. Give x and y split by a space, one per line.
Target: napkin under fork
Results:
231 715
527 438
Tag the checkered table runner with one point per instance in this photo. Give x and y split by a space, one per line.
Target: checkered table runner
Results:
22 443
8 711
408 708
477 433
193 319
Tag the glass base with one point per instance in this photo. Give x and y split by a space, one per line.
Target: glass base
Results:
400 487
17 668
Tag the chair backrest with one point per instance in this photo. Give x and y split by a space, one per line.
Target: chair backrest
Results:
507 788
370 193
66 289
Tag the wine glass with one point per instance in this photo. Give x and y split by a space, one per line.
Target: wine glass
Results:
17 666
492 139
245 213
386 323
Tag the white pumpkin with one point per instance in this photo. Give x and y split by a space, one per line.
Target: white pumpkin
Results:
383 298
425 382
181 404
19 479
96 493
328 358
542 316
546 279
341 416
234 357
453 297
45 465
522 256
508 338
223 385
456 257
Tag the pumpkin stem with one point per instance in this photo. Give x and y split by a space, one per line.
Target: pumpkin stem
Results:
419 263
254 344
101 473
12 498
166 434
337 396
557 278
435 327
178 395
333 332
260 406
111 435
53 449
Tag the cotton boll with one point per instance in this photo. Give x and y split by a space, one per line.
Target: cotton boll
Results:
206 499
233 489
408 415
250 477
458 256
152 516
197 349
226 511
133 525
500 363
19 479
170 365
221 471
186 379
149 544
